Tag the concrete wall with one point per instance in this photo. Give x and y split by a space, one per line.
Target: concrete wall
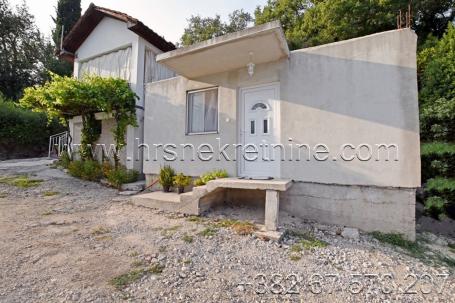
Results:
389 210
360 91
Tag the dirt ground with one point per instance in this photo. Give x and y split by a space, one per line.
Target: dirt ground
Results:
66 240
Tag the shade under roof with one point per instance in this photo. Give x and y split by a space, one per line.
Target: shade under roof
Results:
260 44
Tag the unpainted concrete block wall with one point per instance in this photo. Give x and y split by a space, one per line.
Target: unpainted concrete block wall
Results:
388 210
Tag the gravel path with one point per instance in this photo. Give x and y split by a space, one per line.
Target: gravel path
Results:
67 240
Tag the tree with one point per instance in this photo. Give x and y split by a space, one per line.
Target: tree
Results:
432 17
437 91
201 29
289 13
67 14
20 50
314 22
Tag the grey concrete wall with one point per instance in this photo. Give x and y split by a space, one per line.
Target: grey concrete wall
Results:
359 91
389 210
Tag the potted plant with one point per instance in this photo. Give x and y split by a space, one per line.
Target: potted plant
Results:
166 178
181 181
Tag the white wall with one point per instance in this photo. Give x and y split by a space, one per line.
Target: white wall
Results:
110 35
357 91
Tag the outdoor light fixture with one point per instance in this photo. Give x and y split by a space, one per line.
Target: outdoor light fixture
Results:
251 65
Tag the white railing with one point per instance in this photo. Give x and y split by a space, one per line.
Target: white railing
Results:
58 143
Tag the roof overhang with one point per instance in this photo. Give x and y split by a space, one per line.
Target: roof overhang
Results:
260 44
93 16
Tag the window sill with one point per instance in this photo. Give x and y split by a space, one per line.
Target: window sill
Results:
204 133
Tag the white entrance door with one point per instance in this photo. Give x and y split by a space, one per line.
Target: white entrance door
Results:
259 130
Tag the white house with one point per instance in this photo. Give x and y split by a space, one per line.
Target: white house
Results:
110 43
343 118
329 133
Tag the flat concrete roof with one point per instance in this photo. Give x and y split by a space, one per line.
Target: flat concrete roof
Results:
274 184
265 43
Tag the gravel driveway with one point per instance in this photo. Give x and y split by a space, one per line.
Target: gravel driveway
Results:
67 240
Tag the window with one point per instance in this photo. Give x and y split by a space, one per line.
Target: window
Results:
259 106
265 126
252 127
202 111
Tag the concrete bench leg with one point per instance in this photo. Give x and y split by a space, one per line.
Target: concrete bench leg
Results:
272 208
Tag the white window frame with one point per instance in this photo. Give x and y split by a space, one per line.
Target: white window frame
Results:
187 125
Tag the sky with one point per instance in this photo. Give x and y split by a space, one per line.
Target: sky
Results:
166 17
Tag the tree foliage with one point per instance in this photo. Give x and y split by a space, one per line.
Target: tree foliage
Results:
66 14
18 131
20 45
314 22
66 97
204 28
289 13
437 88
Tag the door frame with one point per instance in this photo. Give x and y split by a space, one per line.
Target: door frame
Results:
276 118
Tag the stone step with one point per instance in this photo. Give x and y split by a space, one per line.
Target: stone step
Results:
135 186
171 202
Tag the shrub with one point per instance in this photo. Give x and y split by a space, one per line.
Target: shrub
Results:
24 133
121 175
87 170
209 176
440 197
64 160
181 180
442 187
438 159
435 206
166 177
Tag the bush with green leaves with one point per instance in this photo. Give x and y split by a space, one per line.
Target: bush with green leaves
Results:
435 206
180 180
166 177
64 159
438 159
89 170
437 88
121 175
66 97
19 135
209 176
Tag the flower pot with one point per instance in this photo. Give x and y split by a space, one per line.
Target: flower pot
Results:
166 188
180 189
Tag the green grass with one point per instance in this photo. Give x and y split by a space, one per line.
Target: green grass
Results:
296 248
122 281
240 227
50 193
305 241
21 181
47 213
313 243
195 219
208 232
170 231
100 230
413 248
451 246
187 261
187 238
295 257
137 263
